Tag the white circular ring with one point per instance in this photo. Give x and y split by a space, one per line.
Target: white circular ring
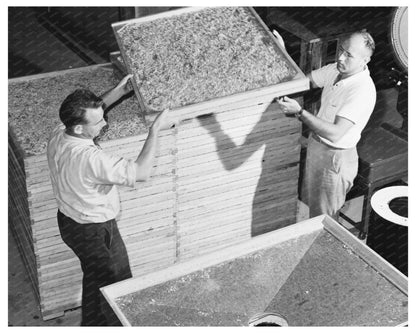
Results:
380 203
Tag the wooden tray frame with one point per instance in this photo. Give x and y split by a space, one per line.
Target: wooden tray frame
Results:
264 241
298 84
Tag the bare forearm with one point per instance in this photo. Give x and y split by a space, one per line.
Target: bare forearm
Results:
112 96
145 160
330 131
321 127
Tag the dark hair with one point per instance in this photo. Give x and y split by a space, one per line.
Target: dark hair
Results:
72 110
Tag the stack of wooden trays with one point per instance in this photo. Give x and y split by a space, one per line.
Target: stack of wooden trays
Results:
237 155
228 192
235 180
146 222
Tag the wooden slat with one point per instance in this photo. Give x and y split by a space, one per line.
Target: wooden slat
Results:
26 251
196 217
241 156
270 175
201 228
59 271
194 211
198 224
221 188
139 269
162 208
230 194
213 244
162 252
238 127
66 256
280 161
259 134
224 144
138 227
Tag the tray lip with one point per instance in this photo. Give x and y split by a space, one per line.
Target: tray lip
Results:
147 18
57 73
316 224
302 82
372 258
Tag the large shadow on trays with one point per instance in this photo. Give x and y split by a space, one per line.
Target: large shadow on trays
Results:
275 197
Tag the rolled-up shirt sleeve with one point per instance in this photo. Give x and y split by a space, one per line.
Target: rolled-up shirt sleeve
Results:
323 75
108 169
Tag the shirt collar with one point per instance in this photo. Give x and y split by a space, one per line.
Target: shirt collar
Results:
357 76
77 140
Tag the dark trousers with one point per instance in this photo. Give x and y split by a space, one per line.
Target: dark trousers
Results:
104 261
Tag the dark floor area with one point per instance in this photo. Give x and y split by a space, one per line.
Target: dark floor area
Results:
23 306
47 39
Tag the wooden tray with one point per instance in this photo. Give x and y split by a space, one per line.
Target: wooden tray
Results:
266 94
284 271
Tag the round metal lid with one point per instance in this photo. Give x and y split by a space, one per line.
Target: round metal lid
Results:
398 36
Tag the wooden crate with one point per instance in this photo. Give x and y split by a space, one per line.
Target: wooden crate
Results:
313 273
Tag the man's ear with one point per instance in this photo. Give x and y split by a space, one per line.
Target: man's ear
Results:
77 129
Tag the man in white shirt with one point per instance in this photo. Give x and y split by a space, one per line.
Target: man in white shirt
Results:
83 179
347 101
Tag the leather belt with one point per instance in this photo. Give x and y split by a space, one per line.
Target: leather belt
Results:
318 139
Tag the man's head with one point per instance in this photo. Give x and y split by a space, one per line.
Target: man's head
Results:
82 114
355 53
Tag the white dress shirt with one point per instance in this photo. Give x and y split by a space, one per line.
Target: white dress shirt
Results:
83 177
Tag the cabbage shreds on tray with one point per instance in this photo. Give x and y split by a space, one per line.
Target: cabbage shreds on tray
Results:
198 56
